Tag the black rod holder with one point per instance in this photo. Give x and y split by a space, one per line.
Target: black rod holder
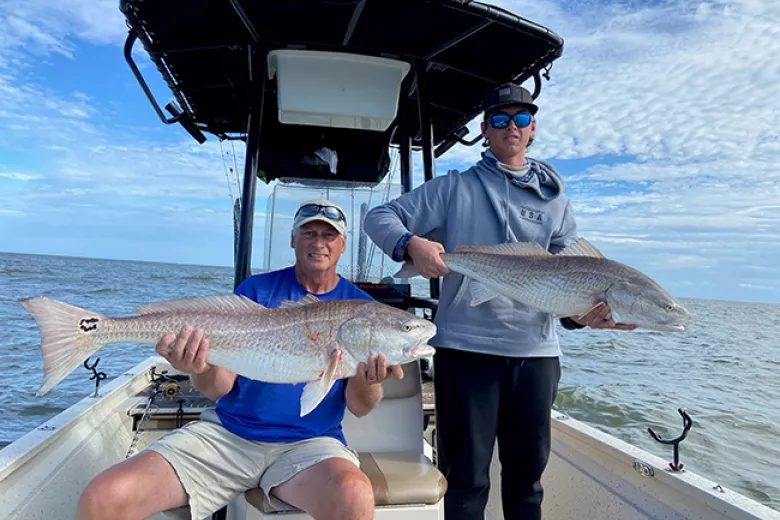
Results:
687 423
96 376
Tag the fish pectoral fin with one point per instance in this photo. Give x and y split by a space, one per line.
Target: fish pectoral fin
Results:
581 247
315 391
480 294
578 316
407 271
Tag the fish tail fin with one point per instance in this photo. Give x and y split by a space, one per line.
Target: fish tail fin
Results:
67 337
407 271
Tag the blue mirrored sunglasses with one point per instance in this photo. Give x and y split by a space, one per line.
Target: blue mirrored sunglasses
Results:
501 119
309 210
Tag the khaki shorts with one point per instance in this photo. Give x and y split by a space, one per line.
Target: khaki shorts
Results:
215 465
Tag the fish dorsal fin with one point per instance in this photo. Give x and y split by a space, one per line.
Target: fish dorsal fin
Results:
581 247
306 300
510 249
227 304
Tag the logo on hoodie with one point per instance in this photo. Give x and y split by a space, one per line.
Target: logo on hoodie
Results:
531 214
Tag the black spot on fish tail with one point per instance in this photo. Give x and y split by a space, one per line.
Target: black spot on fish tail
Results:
89 324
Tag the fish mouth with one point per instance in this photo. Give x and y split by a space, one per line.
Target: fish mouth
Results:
664 328
422 350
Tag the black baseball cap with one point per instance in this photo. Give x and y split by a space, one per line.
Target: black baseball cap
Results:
510 94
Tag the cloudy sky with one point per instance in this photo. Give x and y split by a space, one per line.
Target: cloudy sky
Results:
664 117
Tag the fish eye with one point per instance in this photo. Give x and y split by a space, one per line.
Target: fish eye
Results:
406 327
669 307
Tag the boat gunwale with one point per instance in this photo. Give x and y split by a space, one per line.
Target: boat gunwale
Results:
699 488
124 386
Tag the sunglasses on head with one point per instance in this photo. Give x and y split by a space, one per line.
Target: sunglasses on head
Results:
309 210
501 119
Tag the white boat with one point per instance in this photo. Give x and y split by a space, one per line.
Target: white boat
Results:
319 91
591 474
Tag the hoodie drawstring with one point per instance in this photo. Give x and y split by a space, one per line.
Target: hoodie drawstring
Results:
506 210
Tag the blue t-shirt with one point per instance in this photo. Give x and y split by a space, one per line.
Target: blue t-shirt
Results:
270 412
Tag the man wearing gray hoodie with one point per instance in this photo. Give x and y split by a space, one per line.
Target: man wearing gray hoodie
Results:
496 370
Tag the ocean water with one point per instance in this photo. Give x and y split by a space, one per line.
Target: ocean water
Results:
722 370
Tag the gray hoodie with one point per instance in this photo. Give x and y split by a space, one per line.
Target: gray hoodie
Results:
484 205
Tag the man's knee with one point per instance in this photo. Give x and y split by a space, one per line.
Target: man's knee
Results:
355 494
136 488
107 496
332 489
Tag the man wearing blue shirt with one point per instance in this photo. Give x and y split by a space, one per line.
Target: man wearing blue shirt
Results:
255 436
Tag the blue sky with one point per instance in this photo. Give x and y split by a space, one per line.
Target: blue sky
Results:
663 117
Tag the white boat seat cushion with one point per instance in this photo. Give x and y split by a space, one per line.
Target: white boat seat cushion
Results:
397 479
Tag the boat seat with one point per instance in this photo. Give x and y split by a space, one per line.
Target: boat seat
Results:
389 443
397 478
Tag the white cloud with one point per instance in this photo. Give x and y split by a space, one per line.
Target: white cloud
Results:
34 115
91 163
19 176
665 82
759 287
39 27
132 174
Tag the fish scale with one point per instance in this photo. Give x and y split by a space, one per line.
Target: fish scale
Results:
564 286
281 341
